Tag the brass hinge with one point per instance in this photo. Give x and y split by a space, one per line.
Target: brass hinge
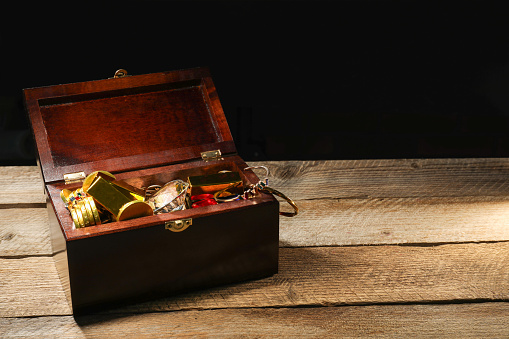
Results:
70 178
178 225
211 155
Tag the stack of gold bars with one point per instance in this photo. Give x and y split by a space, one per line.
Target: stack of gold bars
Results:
103 199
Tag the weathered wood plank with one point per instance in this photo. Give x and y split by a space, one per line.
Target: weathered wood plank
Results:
337 179
390 178
331 222
24 231
21 185
307 277
360 275
327 222
480 320
30 286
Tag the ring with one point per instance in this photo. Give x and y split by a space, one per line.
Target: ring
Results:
256 167
228 198
288 200
231 197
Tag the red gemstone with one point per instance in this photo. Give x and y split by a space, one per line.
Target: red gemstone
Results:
205 202
202 197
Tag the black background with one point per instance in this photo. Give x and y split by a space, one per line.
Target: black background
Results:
297 79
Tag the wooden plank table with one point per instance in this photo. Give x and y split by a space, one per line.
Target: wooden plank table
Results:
381 248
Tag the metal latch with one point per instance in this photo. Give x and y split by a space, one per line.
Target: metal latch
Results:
178 225
70 178
211 155
121 73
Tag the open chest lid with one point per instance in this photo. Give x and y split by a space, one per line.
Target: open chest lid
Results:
127 123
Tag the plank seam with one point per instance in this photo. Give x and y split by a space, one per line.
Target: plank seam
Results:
341 304
431 244
365 197
31 255
331 304
24 256
23 205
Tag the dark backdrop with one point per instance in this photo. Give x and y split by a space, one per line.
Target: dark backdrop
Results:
297 79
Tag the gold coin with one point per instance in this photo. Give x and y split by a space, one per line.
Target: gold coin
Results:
84 213
95 212
80 216
64 194
134 209
75 218
89 212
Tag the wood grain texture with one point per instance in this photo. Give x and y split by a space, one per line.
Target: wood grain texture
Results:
30 286
321 276
24 231
21 185
180 108
345 178
342 203
480 320
390 178
363 275
160 176
332 222
327 222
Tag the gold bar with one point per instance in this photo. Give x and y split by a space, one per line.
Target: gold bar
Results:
120 205
212 183
108 196
124 188
129 191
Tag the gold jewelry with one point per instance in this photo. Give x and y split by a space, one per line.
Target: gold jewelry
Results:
64 194
230 196
263 186
84 213
89 212
95 212
288 200
79 217
257 167
75 219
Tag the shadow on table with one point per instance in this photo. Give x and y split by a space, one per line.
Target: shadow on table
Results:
299 269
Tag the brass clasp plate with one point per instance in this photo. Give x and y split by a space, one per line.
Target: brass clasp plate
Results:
211 155
71 178
178 225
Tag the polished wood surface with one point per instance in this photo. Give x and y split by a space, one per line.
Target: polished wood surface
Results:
381 248
158 176
136 260
126 123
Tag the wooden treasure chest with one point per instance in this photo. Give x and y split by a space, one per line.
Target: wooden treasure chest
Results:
106 141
